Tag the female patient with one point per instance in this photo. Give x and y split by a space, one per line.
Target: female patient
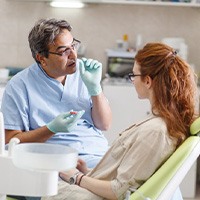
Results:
161 76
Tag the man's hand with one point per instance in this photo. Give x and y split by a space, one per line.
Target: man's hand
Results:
91 73
65 122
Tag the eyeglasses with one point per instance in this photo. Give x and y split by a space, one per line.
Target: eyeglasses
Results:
66 52
131 76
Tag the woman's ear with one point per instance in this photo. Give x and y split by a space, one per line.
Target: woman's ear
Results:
148 82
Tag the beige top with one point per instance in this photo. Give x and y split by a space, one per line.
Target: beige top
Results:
131 160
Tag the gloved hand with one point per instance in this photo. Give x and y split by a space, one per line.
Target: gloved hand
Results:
91 73
65 122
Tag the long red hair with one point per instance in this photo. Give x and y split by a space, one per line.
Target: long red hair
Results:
174 87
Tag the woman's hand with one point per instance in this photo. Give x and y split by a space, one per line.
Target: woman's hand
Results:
65 176
82 166
99 187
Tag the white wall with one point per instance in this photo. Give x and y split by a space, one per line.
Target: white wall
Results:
98 27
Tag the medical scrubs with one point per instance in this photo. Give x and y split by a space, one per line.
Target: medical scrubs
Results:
32 99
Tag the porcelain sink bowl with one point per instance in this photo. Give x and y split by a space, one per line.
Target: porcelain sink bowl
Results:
45 157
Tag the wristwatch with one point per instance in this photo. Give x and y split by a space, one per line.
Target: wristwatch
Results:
73 179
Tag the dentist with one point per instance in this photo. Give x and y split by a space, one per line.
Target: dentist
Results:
58 99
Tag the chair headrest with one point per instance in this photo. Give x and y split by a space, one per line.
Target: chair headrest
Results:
195 127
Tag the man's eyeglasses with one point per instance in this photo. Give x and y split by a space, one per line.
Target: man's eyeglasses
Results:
131 76
66 52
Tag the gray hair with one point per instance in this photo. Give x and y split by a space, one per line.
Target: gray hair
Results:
44 33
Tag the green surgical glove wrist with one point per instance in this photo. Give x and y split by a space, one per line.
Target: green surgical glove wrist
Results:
65 122
91 74
94 91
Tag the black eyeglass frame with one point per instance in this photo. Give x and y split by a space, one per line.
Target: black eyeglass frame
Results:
132 75
73 46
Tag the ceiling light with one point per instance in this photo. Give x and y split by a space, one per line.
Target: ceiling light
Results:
62 4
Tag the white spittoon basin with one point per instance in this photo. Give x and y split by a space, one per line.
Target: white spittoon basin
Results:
44 157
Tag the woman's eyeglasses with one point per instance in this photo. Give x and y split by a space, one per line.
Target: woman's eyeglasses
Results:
131 76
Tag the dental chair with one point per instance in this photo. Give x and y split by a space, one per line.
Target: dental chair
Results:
163 183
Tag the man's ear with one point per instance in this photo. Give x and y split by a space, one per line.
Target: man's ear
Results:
40 59
148 82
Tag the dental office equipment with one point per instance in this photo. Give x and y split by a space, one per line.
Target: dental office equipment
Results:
31 169
44 157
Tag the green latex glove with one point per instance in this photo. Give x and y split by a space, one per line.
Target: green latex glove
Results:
65 122
91 73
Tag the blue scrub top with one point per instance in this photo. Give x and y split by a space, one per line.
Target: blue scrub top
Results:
32 99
